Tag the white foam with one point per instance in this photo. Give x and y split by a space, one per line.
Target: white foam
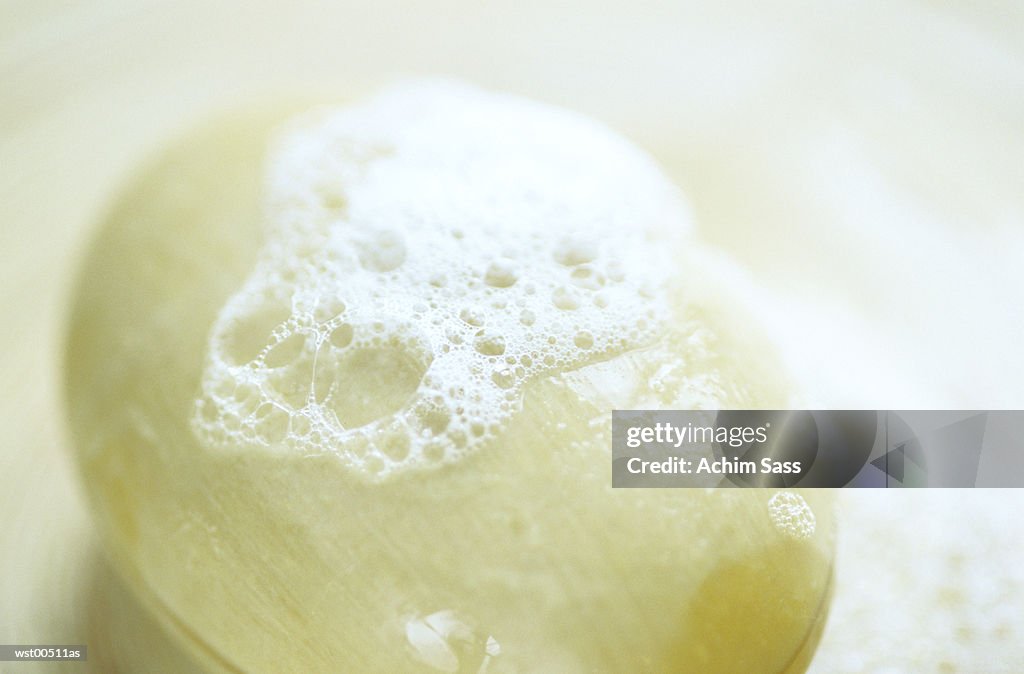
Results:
791 515
427 253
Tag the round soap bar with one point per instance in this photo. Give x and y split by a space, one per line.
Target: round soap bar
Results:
340 385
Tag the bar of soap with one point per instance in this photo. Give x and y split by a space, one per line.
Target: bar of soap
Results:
341 389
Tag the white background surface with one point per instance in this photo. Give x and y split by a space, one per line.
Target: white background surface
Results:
862 161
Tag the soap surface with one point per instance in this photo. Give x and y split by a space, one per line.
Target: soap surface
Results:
341 392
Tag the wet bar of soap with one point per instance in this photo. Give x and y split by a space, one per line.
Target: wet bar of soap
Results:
341 382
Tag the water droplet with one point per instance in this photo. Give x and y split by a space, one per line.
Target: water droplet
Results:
565 299
585 277
583 340
272 425
342 336
472 316
489 344
387 377
505 378
501 273
328 308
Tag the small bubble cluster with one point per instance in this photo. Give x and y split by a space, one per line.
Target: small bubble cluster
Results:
426 255
791 515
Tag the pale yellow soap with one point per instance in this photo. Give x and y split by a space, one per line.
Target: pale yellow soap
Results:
341 392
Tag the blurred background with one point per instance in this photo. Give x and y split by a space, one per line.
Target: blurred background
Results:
862 162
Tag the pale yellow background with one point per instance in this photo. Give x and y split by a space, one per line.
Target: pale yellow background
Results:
862 160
